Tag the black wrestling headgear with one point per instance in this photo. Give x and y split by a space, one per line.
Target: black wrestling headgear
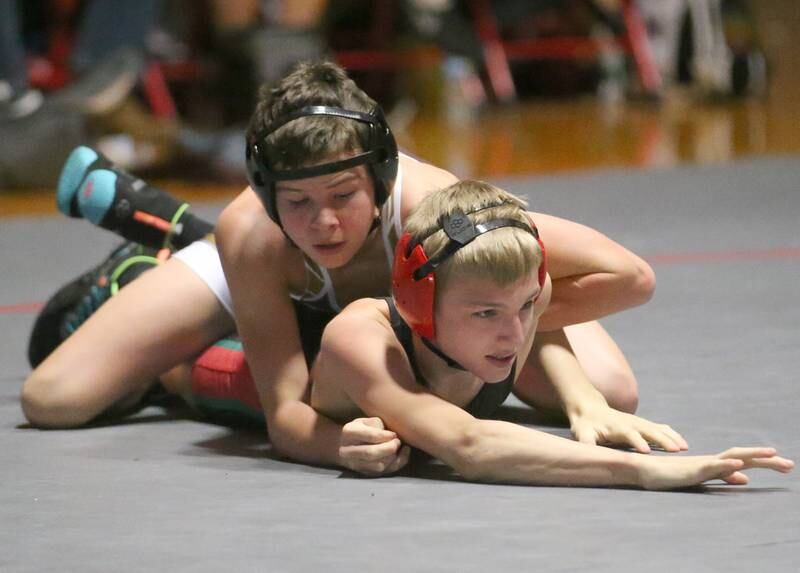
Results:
379 155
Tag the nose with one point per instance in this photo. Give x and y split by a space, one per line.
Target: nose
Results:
325 217
513 331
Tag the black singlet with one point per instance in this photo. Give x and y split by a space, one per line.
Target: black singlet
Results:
485 402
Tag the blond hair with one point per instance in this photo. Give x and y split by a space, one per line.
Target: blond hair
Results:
503 255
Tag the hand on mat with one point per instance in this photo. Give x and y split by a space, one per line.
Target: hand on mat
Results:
368 448
669 472
605 425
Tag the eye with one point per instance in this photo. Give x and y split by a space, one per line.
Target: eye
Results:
297 202
342 196
527 306
488 313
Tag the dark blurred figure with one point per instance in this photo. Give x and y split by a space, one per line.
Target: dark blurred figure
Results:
38 130
252 43
16 98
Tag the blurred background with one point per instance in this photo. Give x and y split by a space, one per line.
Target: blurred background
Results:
484 88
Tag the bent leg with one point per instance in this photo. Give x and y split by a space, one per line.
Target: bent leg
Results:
602 361
164 318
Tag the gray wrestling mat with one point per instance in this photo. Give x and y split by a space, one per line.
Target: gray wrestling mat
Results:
715 352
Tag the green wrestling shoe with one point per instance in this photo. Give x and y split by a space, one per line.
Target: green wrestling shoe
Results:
76 301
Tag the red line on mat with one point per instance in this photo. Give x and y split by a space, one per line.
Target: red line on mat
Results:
665 259
22 308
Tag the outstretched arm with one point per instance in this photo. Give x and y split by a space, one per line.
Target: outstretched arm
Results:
592 275
374 373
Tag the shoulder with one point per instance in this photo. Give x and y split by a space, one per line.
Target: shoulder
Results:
244 230
361 336
419 179
364 321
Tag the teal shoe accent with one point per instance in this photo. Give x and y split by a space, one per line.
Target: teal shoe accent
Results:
230 343
72 174
96 194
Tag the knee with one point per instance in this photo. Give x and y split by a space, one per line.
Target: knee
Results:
645 282
621 391
47 403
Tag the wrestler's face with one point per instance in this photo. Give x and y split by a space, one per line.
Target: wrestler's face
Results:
328 216
484 326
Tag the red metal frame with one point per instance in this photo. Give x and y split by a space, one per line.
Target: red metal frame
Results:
498 52
649 75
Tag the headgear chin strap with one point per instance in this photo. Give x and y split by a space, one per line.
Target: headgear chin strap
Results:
379 155
413 280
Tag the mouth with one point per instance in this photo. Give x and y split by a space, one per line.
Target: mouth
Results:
329 248
501 360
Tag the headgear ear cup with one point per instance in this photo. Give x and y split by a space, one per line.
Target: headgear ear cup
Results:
256 180
413 298
543 263
542 266
383 172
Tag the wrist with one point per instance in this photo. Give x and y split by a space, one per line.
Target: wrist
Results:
630 469
583 404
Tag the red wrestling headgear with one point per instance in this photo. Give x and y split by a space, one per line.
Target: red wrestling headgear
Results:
413 281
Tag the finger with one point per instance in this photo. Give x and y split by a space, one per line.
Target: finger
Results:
399 461
359 433
662 440
374 422
387 465
736 478
372 469
404 457
370 452
676 437
723 469
748 453
585 435
775 463
636 440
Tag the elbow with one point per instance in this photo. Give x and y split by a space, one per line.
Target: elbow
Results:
279 435
466 454
280 446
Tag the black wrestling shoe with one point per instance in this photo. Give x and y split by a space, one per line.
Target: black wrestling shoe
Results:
90 186
76 301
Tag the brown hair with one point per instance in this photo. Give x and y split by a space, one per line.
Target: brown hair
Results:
314 139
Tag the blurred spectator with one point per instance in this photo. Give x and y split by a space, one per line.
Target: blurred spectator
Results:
38 131
16 98
708 43
254 42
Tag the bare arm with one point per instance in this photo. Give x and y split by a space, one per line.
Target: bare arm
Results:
253 255
592 420
592 275
373 371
